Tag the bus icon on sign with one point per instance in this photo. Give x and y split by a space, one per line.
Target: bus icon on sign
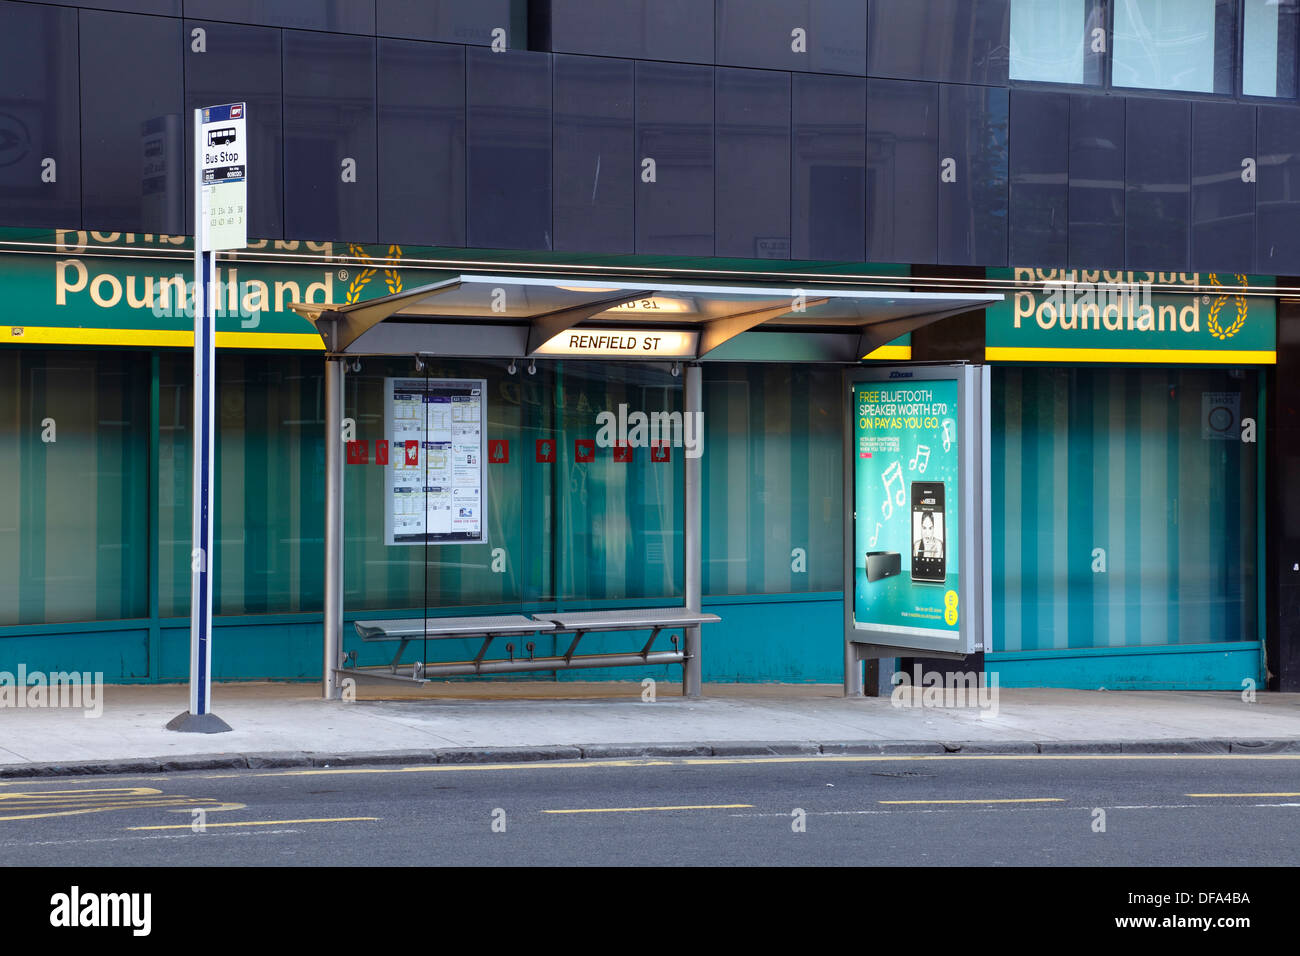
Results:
220 137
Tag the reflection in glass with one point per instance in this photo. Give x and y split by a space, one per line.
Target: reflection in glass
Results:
1268 53
1174 44
1056 41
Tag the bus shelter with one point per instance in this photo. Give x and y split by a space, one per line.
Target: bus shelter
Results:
520 317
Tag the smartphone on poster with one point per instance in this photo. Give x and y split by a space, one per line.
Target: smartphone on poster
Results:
929 538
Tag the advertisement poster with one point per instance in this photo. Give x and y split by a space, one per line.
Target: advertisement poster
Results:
905 474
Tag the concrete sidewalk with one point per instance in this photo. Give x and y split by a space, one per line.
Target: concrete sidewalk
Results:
289 725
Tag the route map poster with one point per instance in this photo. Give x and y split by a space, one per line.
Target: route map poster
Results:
906 498
436 486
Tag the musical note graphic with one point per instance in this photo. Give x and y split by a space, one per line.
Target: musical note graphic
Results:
874 536
887 508
949 433
922 455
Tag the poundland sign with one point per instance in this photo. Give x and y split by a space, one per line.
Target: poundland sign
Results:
78 298
1074 315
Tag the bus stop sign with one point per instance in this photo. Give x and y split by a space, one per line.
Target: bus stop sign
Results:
224 177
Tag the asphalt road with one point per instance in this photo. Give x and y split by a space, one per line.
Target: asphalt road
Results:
983 811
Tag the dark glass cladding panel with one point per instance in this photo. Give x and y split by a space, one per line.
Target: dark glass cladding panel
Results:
242 65
830 162
1278 190
753 212
329 120
763 33
1039 170
1096 203
421 143
674 127
335 16
902 171
973 205
637 29
162 8
957 41
1223 205
1157 184
509 164
451 21
594 169
133 175
39 117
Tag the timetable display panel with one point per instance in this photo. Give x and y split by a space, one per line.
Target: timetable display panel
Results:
436 486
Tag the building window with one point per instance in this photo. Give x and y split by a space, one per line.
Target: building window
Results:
74 466
1058 41
1125 507
1174 45
1268 54
772 479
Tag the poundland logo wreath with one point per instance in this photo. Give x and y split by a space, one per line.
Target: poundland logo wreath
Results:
1216 318
392 278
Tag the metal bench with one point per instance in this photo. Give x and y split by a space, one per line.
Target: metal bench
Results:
580 623
577 623
488 627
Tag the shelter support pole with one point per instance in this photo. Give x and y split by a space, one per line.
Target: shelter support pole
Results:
852 670
333 527
693 405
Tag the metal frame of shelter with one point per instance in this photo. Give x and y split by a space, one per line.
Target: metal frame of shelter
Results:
515 316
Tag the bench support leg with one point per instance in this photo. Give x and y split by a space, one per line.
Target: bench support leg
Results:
568 655
653 634
401 648
487 642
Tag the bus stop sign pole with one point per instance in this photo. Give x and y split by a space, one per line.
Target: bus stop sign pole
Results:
220 193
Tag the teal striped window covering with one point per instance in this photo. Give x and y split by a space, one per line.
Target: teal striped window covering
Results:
74 515
621 523
1132 467
773 479
270 486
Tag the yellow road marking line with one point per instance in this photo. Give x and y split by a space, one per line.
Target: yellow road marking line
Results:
83 810
1241 794
258 823
430 768
68 794
1002 800
706 806
44 804
705 761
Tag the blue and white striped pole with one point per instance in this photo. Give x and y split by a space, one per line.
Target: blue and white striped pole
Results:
199 718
